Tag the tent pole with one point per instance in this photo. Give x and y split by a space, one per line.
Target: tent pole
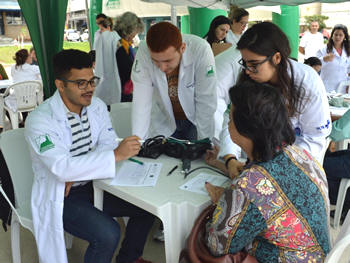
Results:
88 22
42 33
173 15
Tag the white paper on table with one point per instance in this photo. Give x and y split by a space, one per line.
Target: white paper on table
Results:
197 183
134 174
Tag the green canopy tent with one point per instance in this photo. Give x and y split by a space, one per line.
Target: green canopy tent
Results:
46 18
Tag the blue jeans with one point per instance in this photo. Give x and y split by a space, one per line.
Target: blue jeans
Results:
83 220
185 130
337 166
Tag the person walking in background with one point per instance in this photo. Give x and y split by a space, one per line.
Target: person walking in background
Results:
311 41
106 68
315 63
335 57
239 18
128 25
23 70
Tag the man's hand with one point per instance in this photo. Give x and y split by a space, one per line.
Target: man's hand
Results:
328 57
234 168
127 148
68 187
215 192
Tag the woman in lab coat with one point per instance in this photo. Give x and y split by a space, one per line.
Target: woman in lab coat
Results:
265 51
335 57
109 87
239 18
23 70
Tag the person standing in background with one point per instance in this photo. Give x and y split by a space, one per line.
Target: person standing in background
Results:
99 19
239 18
335 57
106 68
311 41
33 55
128 25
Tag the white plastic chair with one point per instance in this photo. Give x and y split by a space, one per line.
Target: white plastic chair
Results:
121 118
17 157
22 97
341 85
341 243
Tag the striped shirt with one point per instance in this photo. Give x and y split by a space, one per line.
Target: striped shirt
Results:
81 135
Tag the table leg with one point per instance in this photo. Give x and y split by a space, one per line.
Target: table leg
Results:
98 197
178 221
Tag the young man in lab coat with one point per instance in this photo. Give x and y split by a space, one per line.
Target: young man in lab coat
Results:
174 85
72 142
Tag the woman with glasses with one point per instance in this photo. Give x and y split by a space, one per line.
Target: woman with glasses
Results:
335 57
265 54
239 18
277 210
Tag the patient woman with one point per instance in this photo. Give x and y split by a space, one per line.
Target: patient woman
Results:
277 208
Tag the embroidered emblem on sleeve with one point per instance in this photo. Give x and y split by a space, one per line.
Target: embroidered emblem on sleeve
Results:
44 143
210 71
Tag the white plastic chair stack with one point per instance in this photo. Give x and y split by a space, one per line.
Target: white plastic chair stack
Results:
17 157
121 118
341 243
22 97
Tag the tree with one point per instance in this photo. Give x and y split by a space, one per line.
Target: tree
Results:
319 18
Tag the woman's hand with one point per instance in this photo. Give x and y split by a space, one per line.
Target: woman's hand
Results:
234 167
329 57
211 159
215 192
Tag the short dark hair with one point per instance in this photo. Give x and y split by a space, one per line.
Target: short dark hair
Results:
260 115
68 59
92 55
101 16
313 61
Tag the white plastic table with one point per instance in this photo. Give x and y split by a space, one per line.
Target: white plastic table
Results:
177 208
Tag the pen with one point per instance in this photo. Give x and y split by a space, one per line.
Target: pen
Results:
172 170
135 161
120 139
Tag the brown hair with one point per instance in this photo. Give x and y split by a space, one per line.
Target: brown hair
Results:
21 57
237 13
163 35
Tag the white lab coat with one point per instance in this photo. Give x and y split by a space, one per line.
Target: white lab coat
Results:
227 70
312 125
109 87
152 112
335 71
54 166
232 38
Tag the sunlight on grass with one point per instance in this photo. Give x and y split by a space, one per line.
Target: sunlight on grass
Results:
7 52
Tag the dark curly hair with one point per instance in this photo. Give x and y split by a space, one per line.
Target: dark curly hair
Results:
260 114
217 21
266 39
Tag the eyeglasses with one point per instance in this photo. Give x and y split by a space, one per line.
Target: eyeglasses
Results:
253 67
82 83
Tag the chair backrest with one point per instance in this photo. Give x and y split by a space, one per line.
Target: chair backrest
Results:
26 94
342 84
341 243
121 118
17 156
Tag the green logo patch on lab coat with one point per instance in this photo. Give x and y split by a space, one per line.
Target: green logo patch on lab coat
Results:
210 71
44 143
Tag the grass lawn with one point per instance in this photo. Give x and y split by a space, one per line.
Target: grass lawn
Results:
7 52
